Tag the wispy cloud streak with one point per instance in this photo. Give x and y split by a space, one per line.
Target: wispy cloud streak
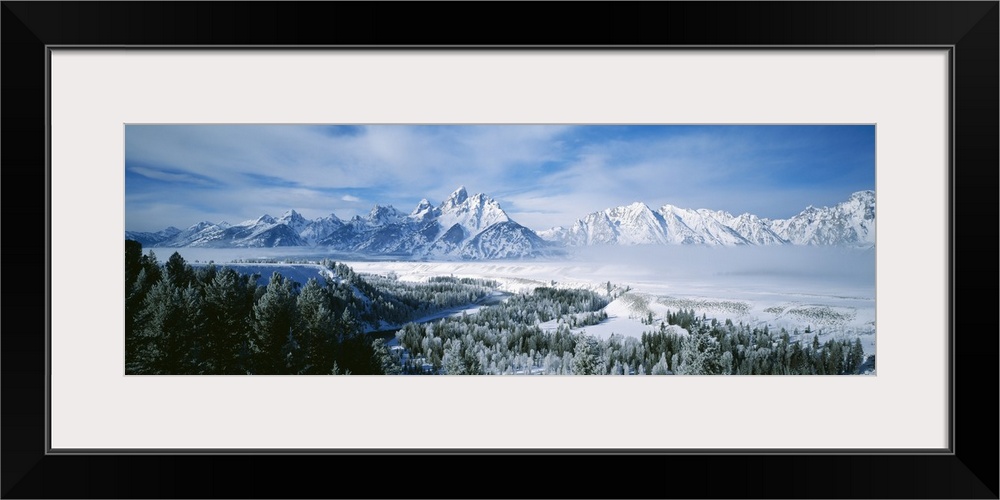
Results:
542 175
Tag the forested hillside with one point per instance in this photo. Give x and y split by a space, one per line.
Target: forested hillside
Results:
184 319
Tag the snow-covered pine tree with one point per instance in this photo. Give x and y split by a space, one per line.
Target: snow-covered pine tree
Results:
228 304
274 317
315 332
585 356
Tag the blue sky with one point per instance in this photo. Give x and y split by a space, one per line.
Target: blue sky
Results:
542 175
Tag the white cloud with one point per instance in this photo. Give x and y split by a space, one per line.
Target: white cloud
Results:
169 176
542 175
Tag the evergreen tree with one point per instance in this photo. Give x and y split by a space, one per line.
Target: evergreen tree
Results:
316 329
585 356
274 316
726 363
660 368
855 356
383 359
355 350
152 267
453 362
835 359
228 302
191 341
166 325
178 271
699 355
133 262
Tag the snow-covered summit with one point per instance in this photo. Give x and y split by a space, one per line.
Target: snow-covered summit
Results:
293 220
850 223
423 211
463 226
476 227
381 216
263 219
457 198
473 213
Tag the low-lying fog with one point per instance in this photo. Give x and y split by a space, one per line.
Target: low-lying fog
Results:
784 269
791 286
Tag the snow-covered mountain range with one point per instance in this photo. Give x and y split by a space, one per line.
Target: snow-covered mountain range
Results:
850 223
476 227
470 227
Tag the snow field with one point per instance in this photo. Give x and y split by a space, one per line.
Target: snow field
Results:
833 295
779 303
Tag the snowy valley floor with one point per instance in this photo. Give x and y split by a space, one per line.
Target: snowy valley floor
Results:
826 290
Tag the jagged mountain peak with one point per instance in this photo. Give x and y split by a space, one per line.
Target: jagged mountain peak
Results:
634 206
378 216
292 215
294 220
202 225
848 223
423 210
631 213
473 214
457 197
423 205
461 200
264 219
475 226
152 238
382 213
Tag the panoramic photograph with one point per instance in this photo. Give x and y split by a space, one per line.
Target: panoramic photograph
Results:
499 250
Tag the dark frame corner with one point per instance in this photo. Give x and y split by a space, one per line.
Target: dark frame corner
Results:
971 28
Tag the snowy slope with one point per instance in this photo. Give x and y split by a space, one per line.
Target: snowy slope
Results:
474 214
504 240
462 226
851 223
754 229
152 239
476 227
700 227
318 229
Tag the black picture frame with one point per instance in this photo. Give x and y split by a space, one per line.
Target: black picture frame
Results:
970 470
